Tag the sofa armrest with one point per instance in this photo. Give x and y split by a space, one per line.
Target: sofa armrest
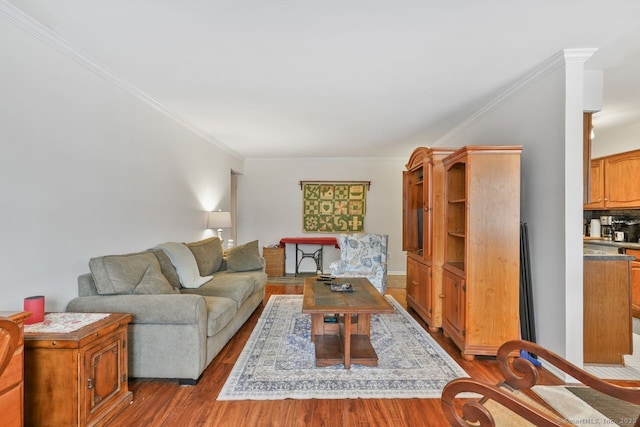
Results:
156 309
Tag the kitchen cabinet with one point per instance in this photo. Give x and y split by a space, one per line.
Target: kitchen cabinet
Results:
423 232
614 181
480 307
622 174
78 378
635 281
607 330
596 187
11 380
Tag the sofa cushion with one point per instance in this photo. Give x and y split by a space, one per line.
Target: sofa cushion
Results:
185 263
208 255
123 274
244 257
168 270
235 286
153 282
219 312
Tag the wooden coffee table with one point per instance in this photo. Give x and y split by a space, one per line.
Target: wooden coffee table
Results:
347 339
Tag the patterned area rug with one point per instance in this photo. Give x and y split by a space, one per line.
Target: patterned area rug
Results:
584 406
278 361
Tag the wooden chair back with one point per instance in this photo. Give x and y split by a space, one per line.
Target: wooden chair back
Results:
9 338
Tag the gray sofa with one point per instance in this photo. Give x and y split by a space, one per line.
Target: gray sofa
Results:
176 331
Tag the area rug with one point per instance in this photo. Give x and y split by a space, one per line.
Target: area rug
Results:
278 361
286 280
584 406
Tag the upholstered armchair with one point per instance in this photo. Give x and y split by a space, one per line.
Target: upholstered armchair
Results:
510 402
363 255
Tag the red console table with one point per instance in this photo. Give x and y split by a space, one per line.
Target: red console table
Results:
316 255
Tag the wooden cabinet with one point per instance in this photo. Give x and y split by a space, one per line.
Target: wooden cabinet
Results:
482 247
596 187
11 380
419 289
635 281
608 330
412 279
622 174
614 181
453 290
423 232
78 378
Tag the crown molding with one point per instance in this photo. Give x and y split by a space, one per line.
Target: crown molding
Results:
51 39
539 73
578 54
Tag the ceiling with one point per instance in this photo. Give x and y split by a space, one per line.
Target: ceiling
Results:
341 78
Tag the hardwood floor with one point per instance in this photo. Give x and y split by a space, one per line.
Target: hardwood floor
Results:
165 403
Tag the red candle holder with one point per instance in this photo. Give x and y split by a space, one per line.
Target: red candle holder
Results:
34 305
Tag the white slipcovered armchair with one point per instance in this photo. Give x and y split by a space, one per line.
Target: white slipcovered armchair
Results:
363 255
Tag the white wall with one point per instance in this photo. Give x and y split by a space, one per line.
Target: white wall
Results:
615 140
534 117
86 169
270 201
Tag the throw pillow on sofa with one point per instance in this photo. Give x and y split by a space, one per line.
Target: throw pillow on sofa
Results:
244 257
153 282
208 255
124 274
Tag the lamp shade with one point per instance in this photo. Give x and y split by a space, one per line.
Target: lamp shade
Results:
219 219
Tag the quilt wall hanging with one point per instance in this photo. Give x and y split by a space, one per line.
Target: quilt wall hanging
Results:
333 207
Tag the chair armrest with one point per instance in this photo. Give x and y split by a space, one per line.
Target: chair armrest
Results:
156 309
337 267
474 410
520 373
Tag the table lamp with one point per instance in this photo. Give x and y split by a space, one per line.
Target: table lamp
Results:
219 220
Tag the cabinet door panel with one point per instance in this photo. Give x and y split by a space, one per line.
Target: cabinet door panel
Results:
635 281
412 278
104 373
635 288
428 290
427 213
596 185
421 289
622 173
452 309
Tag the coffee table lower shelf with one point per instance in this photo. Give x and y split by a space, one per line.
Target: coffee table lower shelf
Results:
330 350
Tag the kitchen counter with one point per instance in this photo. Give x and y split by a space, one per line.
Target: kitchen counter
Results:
596 255
606 242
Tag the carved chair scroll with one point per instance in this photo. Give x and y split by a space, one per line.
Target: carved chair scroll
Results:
9 338
520 374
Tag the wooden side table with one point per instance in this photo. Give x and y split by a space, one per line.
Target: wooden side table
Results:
78 378
11 380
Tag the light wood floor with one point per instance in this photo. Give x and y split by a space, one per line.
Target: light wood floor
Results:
165 403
